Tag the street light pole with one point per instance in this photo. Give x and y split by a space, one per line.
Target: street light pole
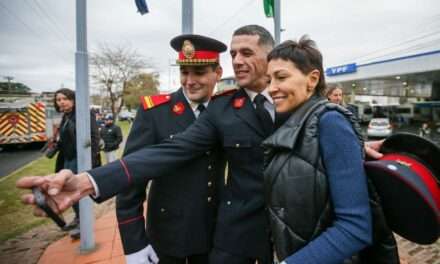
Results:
187 17
277 21
83 142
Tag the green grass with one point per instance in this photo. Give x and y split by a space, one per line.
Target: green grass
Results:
16 218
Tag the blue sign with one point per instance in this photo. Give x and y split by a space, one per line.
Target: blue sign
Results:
343 69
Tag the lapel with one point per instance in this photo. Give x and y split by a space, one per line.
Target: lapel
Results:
247 112
187 117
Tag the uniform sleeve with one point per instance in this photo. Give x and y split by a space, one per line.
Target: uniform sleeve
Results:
130 204
158 160
351 229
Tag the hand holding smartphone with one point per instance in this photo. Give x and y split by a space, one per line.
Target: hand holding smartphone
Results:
41 201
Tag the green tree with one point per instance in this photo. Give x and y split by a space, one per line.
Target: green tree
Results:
14 87
140 85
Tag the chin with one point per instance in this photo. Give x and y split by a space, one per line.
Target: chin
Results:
243 83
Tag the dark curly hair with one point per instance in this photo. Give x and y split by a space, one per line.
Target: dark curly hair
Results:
66 92
304 55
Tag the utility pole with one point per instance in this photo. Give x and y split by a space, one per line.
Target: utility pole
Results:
187 17
83 142
277 21
9 79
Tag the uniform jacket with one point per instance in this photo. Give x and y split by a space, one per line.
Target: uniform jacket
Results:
230 121
182 203
112 137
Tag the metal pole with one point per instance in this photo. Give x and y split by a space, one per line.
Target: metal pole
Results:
83 142
187 17
277 21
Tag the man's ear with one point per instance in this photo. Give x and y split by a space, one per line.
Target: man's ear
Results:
219 72
313 79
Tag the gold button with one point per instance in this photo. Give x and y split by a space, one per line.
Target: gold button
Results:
237 145
209 199
209 184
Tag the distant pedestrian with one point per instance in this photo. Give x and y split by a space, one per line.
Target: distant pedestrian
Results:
99 120
335 94
425 131
112 136
64 102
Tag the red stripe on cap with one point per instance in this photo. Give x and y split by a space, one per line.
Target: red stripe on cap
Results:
130 220
427 177
200 54
126 170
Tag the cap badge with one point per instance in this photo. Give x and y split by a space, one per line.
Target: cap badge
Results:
178 108
238 102
188 49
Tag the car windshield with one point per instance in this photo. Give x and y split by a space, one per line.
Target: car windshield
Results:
380 123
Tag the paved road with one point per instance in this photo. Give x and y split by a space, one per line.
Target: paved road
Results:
12 159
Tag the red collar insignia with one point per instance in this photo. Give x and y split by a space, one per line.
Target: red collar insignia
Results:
238 102
178 108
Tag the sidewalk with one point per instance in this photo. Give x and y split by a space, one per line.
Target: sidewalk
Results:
109 248
107 239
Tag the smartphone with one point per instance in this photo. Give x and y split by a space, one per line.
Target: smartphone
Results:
41 201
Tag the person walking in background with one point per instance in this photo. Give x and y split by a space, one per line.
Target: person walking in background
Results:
112 136
64 102
425 131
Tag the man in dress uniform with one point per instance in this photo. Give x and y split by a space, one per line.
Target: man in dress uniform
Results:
237 122
181 205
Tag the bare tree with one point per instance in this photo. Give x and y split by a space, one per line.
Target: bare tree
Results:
140 85
112 68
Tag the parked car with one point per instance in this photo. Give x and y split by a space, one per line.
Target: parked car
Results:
126 116
379 128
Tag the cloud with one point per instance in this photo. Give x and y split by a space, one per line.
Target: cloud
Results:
38 37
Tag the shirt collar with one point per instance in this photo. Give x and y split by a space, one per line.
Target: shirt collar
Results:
193 104
252 95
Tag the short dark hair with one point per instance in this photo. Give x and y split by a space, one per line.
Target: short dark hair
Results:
66 92
265 38
305 56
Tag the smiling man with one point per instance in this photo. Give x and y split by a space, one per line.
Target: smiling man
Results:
182 205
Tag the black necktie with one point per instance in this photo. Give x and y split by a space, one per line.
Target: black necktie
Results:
263 114
201 108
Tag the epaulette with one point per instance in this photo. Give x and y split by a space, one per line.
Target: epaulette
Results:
151 101
222 93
